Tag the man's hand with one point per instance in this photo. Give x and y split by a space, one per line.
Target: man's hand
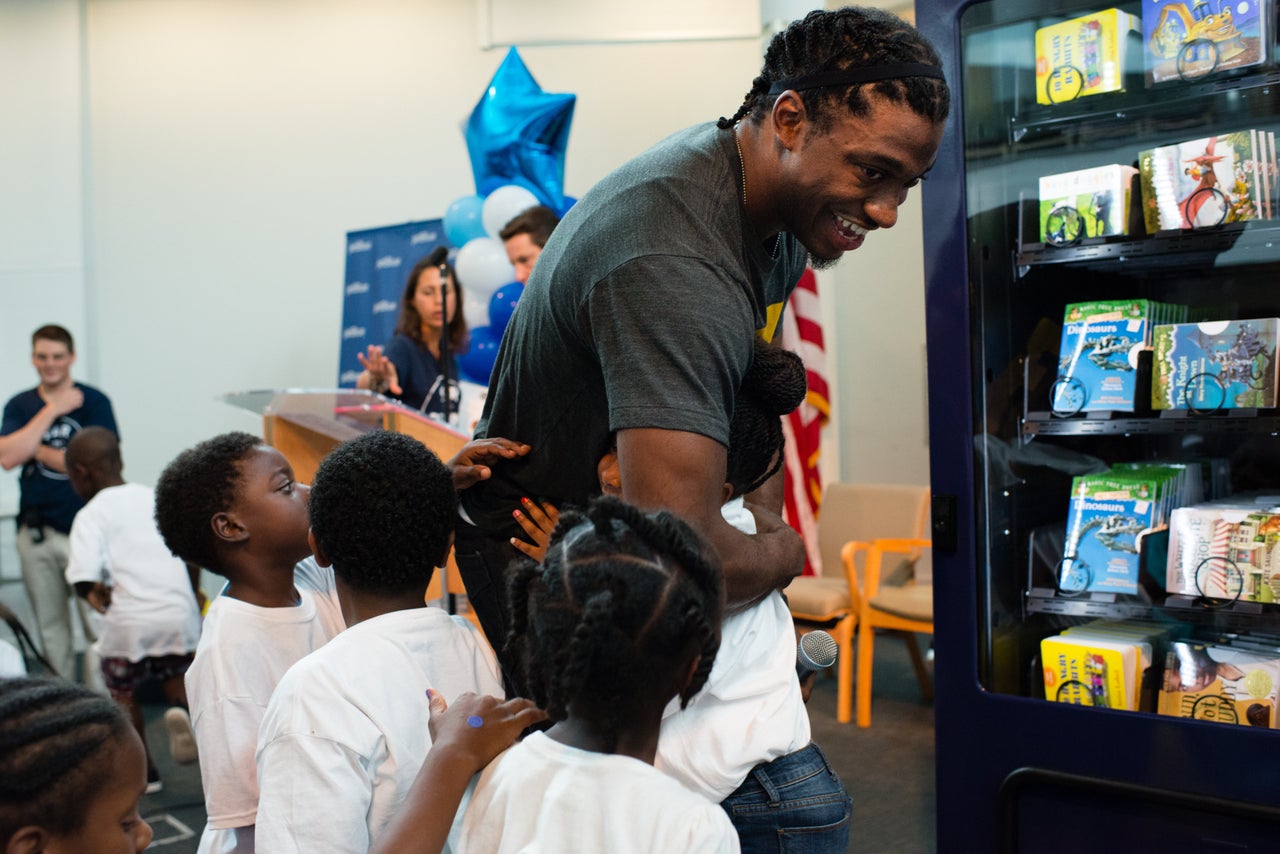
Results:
538 521
379 372
64 400
471 464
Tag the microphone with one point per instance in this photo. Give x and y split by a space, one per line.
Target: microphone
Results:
816 651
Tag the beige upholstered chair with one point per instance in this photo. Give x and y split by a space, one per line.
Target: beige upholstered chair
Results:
851 516
904 609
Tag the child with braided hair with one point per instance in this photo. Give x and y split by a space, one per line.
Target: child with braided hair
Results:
71 771
744 740
620 618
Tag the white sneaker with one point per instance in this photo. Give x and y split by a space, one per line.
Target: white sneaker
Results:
182 738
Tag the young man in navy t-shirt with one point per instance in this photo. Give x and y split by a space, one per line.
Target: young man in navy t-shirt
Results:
36 427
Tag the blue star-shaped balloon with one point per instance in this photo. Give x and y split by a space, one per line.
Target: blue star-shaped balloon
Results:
517 134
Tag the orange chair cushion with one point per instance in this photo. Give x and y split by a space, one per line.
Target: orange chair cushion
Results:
817 597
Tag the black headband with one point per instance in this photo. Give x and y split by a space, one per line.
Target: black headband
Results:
862 74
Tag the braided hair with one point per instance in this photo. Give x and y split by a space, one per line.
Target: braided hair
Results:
609 622
197 485
56 740
774 385
852 37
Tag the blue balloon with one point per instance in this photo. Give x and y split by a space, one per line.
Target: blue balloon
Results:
502 304
463 222
517 134
477 363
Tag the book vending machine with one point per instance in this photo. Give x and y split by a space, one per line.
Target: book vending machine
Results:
1102 257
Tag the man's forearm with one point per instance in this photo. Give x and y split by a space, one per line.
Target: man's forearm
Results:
23 444
756 565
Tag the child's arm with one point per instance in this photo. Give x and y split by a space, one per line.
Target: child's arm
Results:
538 521
465 737
471 464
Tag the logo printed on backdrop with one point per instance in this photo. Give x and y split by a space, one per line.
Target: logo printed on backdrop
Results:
386 262
357 288
348 378
353 332
431 236
384 305
359 246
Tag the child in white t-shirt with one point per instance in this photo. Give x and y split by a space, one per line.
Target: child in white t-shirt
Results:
344 734
148 597
621 616
749 722
232 506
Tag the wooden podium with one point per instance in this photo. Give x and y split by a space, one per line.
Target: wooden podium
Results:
306 424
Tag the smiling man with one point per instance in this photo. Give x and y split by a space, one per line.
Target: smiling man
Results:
37 425
639 316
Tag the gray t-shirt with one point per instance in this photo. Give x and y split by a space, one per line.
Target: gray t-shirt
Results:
640 313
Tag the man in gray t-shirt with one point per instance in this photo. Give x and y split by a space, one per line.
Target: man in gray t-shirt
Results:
636 325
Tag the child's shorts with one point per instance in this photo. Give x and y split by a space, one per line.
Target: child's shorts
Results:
123 676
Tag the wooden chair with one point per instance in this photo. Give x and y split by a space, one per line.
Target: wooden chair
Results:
905 609
857 512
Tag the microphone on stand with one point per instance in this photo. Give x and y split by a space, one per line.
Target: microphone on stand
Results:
444 337
815 651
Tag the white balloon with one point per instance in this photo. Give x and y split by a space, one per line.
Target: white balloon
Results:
503 205
482 268
476 310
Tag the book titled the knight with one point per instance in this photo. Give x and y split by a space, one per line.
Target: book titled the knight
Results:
1191 39
1083 56
1225 364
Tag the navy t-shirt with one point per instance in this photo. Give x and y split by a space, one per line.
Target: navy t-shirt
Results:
45 491
419 374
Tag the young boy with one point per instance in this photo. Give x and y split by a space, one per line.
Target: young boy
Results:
119 564
344 735
232 506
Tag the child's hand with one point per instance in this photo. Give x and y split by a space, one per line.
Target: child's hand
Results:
479 727
469 464
99 597
538 521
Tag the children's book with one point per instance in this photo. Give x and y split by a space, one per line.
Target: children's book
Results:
1225 550
1221 683
1226 364
1191 39
1202 182
1104 519
1086 203
1083 56
1098 355
1094 668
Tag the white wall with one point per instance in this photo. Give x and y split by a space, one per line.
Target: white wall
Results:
230 145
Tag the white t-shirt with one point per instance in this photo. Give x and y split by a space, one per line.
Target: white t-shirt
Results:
346 730
544 796
153 609
243 653
751 710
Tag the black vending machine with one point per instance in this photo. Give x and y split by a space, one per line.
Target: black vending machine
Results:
1102 257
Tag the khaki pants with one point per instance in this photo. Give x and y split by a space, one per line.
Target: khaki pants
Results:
44 567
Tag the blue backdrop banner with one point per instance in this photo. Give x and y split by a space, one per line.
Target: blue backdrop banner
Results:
378 260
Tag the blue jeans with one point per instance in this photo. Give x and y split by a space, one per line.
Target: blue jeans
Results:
794 804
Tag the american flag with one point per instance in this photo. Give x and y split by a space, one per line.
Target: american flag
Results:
802 333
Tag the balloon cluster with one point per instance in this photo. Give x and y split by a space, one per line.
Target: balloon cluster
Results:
516 137
487 278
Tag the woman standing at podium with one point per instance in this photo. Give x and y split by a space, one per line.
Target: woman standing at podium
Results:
412 367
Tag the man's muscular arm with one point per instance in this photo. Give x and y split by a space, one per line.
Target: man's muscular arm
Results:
25 442
684 472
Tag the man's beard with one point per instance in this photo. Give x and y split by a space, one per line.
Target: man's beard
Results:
816 263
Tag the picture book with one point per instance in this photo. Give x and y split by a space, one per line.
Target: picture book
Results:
1191 39
1221 683
1106 514
1083 56
1085 203
1098 353
1202 182
1091 671
1225 364
1225 550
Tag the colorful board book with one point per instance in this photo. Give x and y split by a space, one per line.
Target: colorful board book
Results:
1099 663
1208 181
1083 56
1221 683
1225 364
1190 40
1096 200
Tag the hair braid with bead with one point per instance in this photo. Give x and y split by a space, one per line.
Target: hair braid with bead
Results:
852 37
620 606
